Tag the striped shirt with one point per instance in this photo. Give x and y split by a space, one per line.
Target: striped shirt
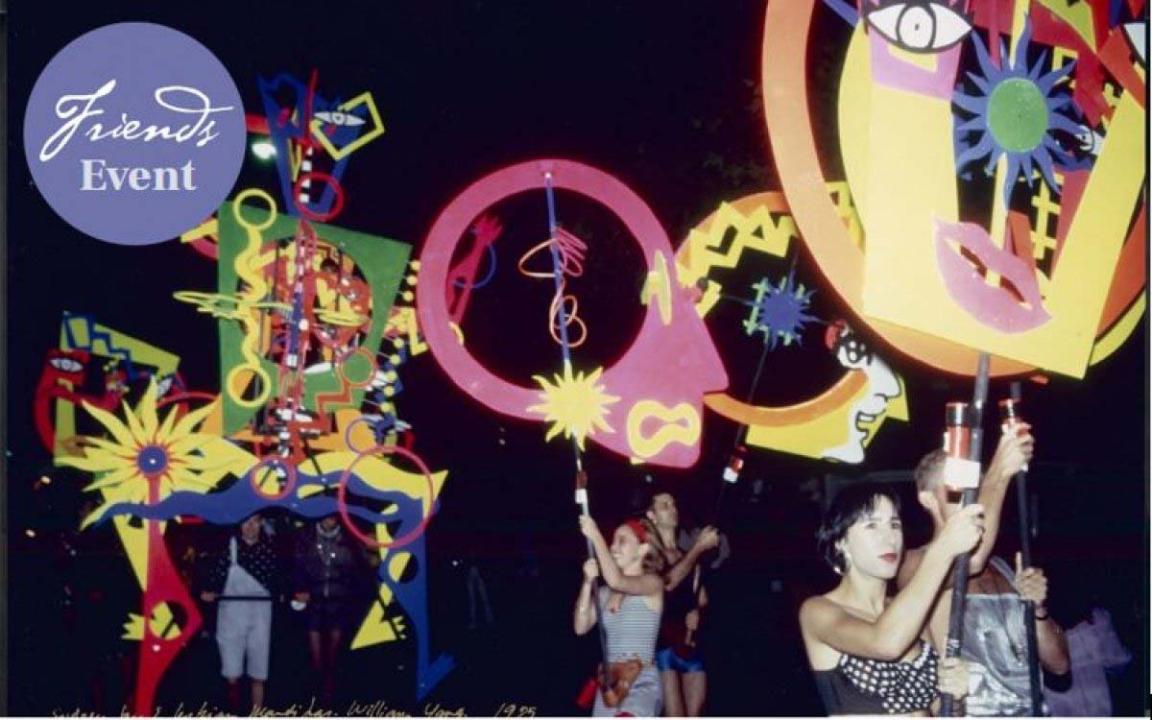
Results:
631 630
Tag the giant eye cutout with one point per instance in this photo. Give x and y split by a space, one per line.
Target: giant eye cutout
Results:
336 117
66 364
919 26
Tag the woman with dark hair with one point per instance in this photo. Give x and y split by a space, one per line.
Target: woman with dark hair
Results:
629 608
868 653
679 659
332 579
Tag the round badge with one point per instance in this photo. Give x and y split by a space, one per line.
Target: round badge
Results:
134 133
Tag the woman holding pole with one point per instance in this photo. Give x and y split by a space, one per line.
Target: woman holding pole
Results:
628 605
869 653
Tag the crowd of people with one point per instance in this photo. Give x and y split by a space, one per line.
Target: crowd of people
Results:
876 642
329 577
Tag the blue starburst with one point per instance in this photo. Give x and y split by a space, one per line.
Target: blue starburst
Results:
1015 111
780 310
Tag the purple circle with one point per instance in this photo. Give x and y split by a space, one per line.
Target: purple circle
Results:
164 151
152 460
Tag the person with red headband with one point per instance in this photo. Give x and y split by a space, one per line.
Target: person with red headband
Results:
629 606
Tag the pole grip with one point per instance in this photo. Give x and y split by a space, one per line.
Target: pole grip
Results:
975 424
1010 416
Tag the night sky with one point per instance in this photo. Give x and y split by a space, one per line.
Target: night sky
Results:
664 96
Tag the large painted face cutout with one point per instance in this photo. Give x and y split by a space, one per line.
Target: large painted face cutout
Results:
995 156
646 406
836 423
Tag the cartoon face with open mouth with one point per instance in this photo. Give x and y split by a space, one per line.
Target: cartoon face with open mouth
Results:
839 423
647 406
869 406
989 224
836 423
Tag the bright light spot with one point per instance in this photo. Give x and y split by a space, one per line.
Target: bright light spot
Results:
264 149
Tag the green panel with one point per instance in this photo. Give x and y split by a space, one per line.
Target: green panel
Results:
382 261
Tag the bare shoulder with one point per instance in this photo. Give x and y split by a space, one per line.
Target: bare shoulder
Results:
818 611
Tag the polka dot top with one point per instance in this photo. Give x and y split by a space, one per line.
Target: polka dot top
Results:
863 686
258 558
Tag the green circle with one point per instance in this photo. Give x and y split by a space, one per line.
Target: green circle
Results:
358 368
1017 115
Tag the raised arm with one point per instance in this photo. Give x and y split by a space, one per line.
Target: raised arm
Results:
646 584
902 621
584 616
705 541
1013 453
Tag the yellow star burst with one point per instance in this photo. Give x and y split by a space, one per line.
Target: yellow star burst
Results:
144 451
575 405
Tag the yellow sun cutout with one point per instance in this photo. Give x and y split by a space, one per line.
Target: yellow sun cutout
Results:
147 459
575 405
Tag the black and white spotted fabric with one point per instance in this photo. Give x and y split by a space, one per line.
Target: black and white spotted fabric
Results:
901 687
258 559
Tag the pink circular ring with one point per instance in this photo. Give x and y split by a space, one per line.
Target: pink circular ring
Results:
435 260
273 461
342 498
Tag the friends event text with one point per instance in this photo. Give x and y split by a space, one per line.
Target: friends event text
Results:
97 175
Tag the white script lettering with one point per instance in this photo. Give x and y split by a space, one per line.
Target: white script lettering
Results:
180 99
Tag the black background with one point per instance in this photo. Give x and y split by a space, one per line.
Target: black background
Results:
665 96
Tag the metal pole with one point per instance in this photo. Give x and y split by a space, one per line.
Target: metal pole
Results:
582 501
736 460
1009 415
960 566
581 476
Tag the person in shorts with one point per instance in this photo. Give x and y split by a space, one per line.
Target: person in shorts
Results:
241 583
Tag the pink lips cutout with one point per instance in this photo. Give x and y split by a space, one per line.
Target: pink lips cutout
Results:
993 306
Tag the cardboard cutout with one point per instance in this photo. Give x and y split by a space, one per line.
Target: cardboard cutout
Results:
899 112
837 424
646 406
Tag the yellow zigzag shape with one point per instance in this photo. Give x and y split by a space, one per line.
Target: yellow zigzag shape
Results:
701 251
